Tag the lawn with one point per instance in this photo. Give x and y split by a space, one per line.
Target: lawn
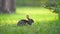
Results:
45 21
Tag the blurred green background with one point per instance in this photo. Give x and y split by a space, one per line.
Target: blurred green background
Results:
46 21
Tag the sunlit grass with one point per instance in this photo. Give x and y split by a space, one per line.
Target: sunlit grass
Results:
45 21
38 14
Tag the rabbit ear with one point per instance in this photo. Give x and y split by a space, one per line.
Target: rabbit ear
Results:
27 16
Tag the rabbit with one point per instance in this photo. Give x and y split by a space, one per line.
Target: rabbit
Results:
22 22
29 21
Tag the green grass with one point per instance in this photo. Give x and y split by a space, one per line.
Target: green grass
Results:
46 22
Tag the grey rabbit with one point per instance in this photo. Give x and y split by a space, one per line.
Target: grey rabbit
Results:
29 21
